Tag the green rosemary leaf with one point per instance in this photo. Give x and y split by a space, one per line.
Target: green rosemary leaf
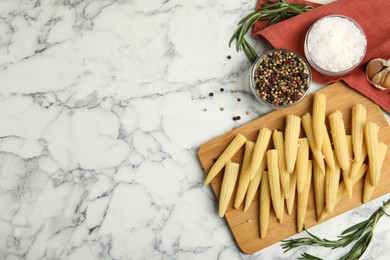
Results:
267 6
247 17
252 20
272 11
296 9
303 7
274 20
354 227
242 33
312 235
247 25
234 36
269 17
307 256
249 51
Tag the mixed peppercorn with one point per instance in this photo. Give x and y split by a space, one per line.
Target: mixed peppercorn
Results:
281 78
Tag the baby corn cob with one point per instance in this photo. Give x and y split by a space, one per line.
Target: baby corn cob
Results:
292 131
339 139
265 205
274 180
346 175
357 162
319 107
342 192
327 150
252 188
303 198
372 144
259 150
278 141
229 180
317 154
332 179
368 187
319 189
301 164
254 184
291 197
233 147
358 122
244 174
281 208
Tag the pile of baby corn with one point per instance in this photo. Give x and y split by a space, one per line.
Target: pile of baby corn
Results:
286 171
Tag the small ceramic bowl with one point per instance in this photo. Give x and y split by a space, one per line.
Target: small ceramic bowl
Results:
316 64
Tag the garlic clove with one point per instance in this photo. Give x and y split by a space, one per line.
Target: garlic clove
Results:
379 77
385 73
373 67
386 82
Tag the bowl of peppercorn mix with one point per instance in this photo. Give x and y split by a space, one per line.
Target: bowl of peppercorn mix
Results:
280 78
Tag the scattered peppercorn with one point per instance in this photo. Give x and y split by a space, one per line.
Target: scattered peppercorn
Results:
238 117
221 89
211 94
204 109
222 109
281 78
238 99
247 112
229 57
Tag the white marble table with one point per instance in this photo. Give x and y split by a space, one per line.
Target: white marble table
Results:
101 116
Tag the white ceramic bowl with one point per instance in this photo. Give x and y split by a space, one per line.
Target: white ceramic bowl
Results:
317 66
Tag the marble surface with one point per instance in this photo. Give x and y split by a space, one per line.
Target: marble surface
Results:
101 116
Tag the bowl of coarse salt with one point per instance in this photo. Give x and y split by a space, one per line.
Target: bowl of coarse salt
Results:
335 45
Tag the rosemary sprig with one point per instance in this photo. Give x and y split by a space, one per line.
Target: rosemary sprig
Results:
273 12
360 233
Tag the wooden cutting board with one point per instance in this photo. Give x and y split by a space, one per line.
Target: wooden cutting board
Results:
244 225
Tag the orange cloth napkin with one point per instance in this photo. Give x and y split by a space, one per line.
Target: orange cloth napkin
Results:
373 16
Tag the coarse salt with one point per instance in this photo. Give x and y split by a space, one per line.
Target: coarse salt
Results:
336 44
